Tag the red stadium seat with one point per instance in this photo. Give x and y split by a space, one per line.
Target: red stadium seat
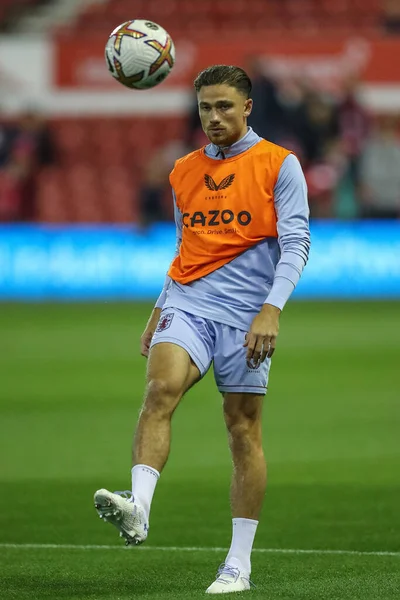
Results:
210 17
300 8
305 26
71 141
102 163
51 197
118 198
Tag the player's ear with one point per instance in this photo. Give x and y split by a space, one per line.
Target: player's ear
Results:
248 106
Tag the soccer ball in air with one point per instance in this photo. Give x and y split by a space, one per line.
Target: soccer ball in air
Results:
140 54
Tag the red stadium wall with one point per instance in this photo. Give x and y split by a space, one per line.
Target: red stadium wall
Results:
319 58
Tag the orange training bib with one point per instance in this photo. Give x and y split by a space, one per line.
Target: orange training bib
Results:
227 206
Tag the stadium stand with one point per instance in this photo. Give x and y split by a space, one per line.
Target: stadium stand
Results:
100 167
100 164
207 18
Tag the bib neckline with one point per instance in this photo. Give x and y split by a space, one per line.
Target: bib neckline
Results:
231 158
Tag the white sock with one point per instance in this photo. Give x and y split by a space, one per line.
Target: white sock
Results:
144 481
243 533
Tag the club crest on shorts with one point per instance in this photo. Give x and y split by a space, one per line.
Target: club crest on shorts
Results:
253 367
164 322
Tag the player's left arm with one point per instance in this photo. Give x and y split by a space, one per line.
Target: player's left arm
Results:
291 205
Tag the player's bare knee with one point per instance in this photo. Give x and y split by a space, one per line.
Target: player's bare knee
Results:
161 397
244 431
243 423
241 416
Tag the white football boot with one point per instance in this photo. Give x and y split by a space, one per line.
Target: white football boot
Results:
121 510
229 579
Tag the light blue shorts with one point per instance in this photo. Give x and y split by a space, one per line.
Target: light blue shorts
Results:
209 342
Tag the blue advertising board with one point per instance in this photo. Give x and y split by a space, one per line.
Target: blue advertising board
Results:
42 262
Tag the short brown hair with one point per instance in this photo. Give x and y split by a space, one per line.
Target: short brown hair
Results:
229 74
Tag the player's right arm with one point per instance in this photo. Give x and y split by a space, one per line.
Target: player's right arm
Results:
151 325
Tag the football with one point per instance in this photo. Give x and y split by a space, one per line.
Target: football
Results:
140 54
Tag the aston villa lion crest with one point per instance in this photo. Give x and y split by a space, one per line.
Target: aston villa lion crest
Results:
164 322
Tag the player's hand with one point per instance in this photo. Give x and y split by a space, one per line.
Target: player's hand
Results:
148 333
261 338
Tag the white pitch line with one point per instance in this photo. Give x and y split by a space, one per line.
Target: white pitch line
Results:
199 549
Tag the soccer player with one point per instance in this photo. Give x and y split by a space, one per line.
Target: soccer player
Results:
243 239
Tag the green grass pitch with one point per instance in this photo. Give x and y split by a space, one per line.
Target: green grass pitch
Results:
71 383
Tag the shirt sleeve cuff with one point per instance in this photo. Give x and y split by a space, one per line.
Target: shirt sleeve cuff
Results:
280 292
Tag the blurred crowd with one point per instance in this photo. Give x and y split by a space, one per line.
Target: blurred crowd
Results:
25 146
351 159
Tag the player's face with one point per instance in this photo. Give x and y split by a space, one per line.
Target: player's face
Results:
223 113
